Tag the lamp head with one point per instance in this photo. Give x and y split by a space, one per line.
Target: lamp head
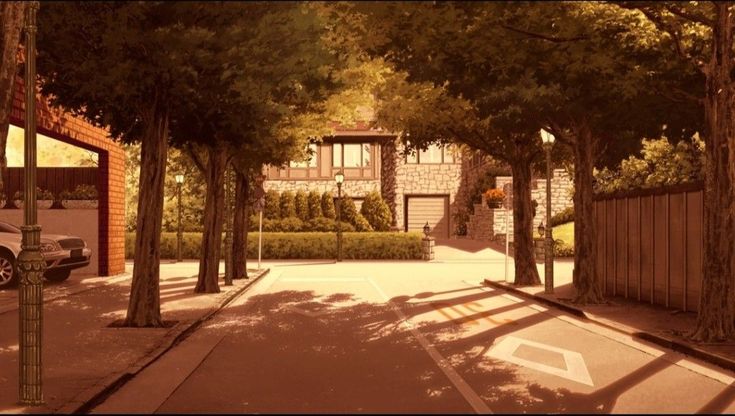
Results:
179 178
339 178
547 137
427 229
541 229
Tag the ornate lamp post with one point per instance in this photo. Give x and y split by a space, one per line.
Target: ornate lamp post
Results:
30 265
339 178
179 230
548 142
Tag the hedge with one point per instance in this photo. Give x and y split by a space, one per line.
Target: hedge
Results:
363 246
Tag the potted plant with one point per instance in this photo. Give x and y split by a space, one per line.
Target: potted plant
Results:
494 197
44 199
82 197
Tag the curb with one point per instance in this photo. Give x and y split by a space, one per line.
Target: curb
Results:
93 396
672 344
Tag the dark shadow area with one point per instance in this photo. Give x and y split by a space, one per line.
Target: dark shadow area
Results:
721 402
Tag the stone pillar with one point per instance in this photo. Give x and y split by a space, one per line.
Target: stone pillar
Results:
428 248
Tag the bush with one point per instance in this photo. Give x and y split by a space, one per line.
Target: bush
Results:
272 210
315 205
253 222
372 246
494 196
288 204
319 224
346 227
291 224
362 224
461 218
41 195
563 217
80 193
302 205
562 249
328 205
376 211
270 225
349 210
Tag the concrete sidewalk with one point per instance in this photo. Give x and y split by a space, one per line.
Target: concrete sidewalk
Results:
664 326
83 358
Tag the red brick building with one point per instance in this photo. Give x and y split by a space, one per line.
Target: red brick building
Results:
60 125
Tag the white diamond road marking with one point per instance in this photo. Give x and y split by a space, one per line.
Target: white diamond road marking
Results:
576 368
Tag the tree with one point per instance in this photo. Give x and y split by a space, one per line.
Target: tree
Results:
701 37
315 205
302 205
12 17
376 211
129 67
328 205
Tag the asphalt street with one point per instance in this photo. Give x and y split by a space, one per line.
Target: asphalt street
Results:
411 338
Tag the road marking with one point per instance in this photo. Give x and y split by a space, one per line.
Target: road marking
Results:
576 367
464 389
513 298
305 312
441 307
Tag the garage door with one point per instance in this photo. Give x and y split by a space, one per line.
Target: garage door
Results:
434 210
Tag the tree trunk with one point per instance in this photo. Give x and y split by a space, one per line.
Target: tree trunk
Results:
144 308
525 264
715 318
585 256
213 219
241 226
12 15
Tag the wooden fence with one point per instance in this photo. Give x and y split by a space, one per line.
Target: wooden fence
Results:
55 180
650 244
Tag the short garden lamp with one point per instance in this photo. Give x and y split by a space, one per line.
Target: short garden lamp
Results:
427 229
541 230
179 231
548 142
339 178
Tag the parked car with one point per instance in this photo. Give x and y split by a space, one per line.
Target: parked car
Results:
63 253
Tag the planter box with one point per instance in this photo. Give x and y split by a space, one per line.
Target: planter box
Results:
40 204
80 203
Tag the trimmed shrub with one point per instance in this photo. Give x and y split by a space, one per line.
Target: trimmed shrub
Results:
368 246
346 227
291 224
376 211
272 210
253 222
349 210
328 205
302 205
271 225
315 205
562 249
288 204
563 217
319 224
362 224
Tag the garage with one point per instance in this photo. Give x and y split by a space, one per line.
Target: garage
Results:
433 209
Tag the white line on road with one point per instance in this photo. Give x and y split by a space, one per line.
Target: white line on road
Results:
464 389
322 279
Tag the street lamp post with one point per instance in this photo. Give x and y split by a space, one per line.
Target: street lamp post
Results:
179 230
30 264
548 142
339 178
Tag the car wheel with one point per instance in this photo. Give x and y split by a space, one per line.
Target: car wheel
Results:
8 275
57 275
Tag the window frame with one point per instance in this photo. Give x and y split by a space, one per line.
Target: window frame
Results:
362 165
444 150
307 163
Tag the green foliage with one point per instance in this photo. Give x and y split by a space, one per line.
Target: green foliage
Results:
315 205
376 211
562 217
41 195
288 204
368 246
362 224
302 205
291 224
662 164
272 210
349 210
461 218
80 193
320 224
328 205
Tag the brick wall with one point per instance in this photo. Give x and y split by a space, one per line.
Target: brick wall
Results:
62 126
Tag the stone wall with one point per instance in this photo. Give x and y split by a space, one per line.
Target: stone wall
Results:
561 198
355 188
427 179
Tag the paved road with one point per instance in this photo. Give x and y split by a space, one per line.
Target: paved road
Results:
411 338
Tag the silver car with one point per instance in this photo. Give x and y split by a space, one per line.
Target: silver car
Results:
63 253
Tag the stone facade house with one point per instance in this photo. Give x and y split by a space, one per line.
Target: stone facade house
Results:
418 188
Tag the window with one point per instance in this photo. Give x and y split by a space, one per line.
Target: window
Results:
311 163
433 154
351 155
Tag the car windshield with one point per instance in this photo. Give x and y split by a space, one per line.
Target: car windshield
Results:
9 228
